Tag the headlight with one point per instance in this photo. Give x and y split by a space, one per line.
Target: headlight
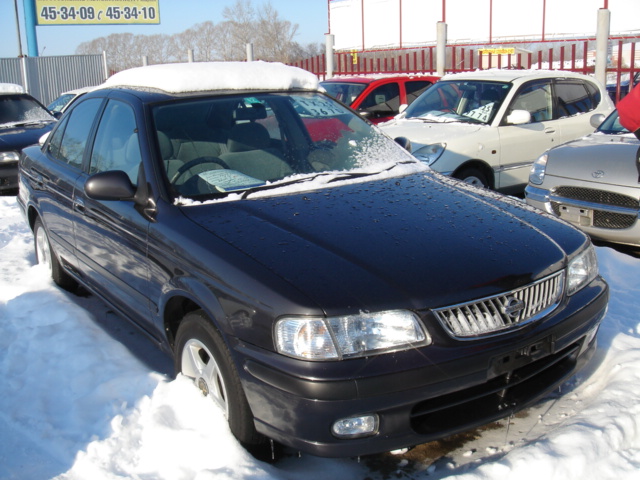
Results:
9 156
335 338
430 153
536 176
582 270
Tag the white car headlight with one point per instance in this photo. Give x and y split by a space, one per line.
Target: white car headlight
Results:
9 156
430 153
582 270
335 338
536 175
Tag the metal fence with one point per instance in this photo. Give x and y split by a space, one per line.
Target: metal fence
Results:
45 78
577 56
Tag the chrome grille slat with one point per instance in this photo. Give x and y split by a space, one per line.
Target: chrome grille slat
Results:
489 316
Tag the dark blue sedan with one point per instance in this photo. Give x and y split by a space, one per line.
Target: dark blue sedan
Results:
319 284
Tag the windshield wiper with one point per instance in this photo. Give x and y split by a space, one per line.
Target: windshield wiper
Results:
25 123
336 177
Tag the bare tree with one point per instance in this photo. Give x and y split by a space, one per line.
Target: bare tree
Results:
240 28
272 36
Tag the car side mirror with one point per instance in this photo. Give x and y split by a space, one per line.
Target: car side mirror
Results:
404 142
596 120
111 185
519 117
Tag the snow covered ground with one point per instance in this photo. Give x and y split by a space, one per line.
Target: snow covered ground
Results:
84 396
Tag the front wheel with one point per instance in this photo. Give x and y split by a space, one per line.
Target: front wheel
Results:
46 256
473 176
201 354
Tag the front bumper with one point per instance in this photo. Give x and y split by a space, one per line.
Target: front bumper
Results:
610 223
424 394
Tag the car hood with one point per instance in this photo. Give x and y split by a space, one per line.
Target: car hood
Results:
419 241
16 138
598 158
423 133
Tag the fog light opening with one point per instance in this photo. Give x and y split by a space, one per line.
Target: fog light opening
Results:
591 335
356 427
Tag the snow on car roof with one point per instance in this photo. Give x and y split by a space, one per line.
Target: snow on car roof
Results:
507 75
197 77
10 88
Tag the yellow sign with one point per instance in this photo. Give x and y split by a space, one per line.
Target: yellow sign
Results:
497 51
97 12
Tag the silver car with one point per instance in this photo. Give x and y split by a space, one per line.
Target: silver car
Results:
593 183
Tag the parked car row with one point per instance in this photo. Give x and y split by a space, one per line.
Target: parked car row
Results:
325 288
488 127
378 98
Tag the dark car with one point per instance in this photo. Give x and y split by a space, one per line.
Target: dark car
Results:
23 120
378 98
612 88
327 290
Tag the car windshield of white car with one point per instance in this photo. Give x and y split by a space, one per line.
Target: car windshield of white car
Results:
459 101
213 146
612 126
19 110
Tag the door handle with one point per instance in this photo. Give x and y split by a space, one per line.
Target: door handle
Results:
549 130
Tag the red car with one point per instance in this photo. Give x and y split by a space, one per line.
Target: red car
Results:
378 98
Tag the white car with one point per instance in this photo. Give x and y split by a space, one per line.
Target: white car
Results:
488 127
60 104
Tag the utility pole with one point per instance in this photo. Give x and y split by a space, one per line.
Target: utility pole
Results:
15 7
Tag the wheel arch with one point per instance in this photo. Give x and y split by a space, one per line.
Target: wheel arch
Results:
481 165
176 304
32 215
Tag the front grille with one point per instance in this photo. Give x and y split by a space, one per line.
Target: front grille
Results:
604 218
501 312
592 195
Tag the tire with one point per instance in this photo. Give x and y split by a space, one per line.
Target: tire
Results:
46 256
202 355
473 176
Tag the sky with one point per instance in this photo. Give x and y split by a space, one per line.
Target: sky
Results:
175 16
466 19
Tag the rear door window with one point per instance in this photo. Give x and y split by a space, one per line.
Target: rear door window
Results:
73 140
572 98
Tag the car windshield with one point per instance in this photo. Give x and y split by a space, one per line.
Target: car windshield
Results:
611 125
21 109
344 91
213 146
59 103
466 101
